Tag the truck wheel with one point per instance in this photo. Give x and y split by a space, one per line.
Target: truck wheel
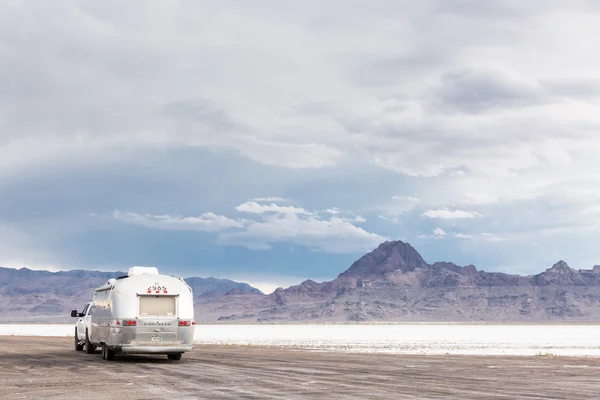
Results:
89 347
175 357
78 347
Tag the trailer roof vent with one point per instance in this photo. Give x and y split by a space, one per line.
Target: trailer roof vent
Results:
142 271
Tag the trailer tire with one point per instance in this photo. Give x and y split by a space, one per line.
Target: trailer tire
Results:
110 354
78 347
175 357
89 347
107 354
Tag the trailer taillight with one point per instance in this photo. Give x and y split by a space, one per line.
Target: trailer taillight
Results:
128 322
185 323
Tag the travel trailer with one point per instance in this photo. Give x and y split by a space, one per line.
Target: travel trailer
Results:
143 312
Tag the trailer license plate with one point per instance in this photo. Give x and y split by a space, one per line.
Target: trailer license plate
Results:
156 339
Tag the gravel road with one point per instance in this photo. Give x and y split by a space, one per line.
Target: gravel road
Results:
46 368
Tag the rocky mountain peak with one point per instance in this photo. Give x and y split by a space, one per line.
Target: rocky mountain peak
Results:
560 267
388 257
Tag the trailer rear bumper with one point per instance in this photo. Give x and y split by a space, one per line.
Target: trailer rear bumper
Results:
154 349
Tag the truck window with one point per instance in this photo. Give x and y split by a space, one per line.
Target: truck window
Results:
157 305
85 309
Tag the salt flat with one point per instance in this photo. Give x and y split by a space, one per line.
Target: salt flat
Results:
49 368
568 340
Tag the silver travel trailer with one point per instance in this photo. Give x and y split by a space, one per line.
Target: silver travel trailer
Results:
143 312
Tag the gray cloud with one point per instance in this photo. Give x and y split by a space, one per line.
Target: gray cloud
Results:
179 106
475 91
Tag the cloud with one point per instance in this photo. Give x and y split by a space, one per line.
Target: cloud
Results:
448 102
290 155
256 208
165 107
445 213
398 205
410 199
394 220
476 90
287 224
360 219
439 232
462 236
275 224
207 222
491 237
269 199
480 198
334 235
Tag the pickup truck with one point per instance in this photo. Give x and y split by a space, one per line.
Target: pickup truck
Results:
82 329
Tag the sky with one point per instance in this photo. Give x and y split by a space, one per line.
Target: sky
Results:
276 141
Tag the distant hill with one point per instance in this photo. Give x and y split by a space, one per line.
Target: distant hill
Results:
41 295
394 283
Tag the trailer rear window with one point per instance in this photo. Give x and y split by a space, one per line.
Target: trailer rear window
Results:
157 305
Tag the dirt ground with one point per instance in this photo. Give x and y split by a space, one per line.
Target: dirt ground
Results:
47 368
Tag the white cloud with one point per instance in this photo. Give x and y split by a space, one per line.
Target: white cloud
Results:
360 219
296 225
334 235
207 222
445 213
269 199
410 199
480 198
462 236
492 237
256 208
398 205
393 219
276 224
439 232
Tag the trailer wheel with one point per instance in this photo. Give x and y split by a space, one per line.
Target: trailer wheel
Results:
78 347
89 347
107 354
110 354
175 357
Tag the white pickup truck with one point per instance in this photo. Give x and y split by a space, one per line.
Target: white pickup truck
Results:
82 329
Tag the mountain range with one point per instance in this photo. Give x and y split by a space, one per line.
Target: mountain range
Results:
394 283
29 295
391 283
